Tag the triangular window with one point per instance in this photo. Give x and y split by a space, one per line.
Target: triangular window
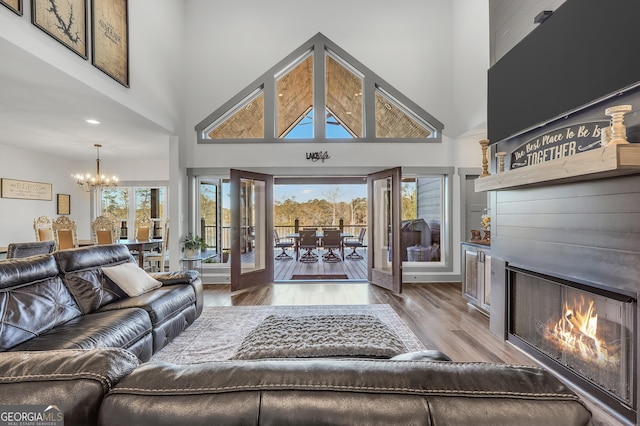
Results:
357 105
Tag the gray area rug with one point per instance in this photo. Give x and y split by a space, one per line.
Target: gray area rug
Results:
220 331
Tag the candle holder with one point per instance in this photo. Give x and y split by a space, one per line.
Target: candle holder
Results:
605 136
500 156
618 129
485 162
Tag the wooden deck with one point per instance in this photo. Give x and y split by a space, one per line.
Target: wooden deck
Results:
353 269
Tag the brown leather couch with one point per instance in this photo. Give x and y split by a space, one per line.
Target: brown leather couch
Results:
64 301
107 387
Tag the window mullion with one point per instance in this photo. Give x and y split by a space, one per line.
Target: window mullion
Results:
319 92
270 105
369 105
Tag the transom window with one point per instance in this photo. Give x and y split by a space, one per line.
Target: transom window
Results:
284 104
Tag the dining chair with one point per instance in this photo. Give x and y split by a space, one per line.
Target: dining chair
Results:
144 228
309 243
43 226
18 250
283 244
332 242
355 244
157 260
106 230
65 233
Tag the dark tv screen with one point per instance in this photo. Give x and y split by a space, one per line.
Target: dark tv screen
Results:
585 51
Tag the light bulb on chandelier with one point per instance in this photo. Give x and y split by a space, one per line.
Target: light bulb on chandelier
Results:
92 183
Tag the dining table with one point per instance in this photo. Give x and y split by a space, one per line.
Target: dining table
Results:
140 246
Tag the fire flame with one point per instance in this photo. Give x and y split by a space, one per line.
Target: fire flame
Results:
577 331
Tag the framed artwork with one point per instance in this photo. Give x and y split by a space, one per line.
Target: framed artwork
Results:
110 38
64 20
64 204
25 190
14 5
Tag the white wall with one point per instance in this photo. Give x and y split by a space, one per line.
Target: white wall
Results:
156 92
18 215
470 27
407 43
155 41
416 46
434 51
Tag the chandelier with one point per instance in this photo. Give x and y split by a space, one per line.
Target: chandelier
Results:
92 183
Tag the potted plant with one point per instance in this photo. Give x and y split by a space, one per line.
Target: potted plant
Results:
193 246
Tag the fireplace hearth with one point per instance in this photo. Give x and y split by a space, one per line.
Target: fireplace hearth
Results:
585 333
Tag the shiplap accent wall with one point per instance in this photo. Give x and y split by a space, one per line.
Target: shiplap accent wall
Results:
511 20
587 231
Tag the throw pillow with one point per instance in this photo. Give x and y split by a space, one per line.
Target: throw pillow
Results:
132 279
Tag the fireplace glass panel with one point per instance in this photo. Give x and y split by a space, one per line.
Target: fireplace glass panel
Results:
589 333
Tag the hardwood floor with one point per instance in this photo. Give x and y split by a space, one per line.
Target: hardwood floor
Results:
436 312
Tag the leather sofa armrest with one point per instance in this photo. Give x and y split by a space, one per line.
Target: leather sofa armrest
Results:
190 277
176 277
76 381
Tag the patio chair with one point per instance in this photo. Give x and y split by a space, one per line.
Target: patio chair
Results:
284 245
355 244
332 242
308 242
16 250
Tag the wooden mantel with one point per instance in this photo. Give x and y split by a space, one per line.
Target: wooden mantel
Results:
612 160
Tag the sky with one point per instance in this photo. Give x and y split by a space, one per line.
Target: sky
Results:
303 193
308 192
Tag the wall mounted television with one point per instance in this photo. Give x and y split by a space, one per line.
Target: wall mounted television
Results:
587 50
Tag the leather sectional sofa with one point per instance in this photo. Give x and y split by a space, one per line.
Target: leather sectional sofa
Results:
64 300
107 387
75 345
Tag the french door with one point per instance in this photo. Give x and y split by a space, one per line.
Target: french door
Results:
251 229
385 260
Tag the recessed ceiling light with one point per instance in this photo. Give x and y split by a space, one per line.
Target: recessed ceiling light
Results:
92 121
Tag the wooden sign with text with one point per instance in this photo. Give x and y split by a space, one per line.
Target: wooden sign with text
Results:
26 190
559 143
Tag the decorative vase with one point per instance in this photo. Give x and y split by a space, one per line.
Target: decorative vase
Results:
487 236
192 253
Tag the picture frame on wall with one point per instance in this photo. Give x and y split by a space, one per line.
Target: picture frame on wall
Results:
64 204
25 190
64 20
110 38
13 5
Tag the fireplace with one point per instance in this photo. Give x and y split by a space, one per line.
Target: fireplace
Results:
584 333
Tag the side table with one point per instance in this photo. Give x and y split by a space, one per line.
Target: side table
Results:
195 263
